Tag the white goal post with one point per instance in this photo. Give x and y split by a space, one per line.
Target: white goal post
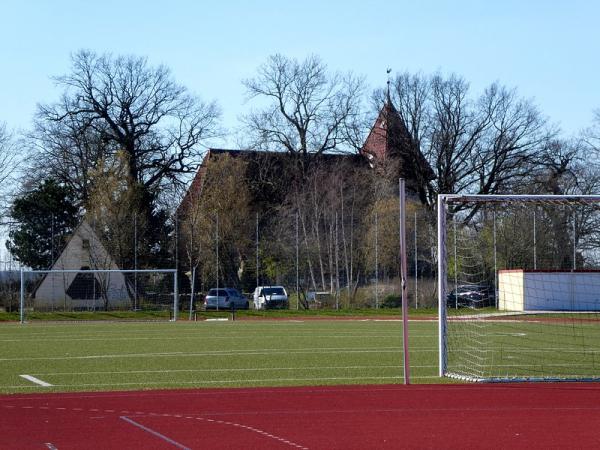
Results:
519 287
92 290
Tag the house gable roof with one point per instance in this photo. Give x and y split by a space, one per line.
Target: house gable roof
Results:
71 255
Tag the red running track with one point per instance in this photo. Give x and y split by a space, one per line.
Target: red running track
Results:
561 415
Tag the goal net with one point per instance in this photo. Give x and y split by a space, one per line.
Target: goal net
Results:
64 294
519 287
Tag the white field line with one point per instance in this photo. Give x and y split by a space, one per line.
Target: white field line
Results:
248 327
50 446
249 428
267 369
312 351
208 338
238 381
259 369
318 389
232 332
251 352
251 382
255 326
35 380
154 433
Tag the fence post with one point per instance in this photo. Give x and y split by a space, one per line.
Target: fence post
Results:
192 293
176 296
22 299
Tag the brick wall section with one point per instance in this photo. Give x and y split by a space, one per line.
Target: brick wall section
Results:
376 142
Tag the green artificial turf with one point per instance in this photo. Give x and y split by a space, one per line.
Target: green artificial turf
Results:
290 350
108 356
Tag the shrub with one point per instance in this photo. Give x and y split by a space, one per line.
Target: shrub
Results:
391 301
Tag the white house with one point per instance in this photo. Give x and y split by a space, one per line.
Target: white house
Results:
81 290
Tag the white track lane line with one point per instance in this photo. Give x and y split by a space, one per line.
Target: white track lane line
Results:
35 380
50 446
155 433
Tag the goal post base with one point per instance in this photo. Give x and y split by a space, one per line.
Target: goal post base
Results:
471 379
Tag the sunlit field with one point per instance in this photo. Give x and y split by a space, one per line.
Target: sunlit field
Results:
132 356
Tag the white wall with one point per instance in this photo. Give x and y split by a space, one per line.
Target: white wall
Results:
559 291
510 290
520 290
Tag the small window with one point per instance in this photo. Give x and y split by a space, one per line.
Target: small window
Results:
217 293
85 243
273 291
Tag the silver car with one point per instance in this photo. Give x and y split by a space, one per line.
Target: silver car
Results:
225 298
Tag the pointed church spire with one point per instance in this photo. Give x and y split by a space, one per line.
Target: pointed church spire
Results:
388 100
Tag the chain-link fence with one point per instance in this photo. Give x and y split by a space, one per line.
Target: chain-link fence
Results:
342 259
337 260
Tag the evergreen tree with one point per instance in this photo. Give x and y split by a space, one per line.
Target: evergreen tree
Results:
45 217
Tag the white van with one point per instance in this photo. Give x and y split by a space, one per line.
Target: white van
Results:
269 297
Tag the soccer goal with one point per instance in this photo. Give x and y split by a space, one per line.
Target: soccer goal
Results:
519 287
151 293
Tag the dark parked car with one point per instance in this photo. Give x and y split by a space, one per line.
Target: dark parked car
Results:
225 298
471 296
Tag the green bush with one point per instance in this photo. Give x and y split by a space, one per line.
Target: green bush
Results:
391 301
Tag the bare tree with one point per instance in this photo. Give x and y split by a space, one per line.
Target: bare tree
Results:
8 159
309 111
476 145
70 151
590 141
514 136
223 196
114 208
122 103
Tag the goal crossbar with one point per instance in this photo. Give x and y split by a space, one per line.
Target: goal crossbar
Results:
495 198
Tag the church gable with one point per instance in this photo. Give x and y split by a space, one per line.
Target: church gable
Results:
388 143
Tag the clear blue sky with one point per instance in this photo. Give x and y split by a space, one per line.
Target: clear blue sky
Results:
548 50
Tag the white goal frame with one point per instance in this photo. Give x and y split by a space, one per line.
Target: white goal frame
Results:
23 274
442 210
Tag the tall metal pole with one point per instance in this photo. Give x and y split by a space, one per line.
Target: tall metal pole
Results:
441 220
403 276
135 262
574 242
455 265
192 293
495 264
217 256
257 244
297 264
176 241
376 261
52 243
534 243
176 274
176 295
337 269
416 267
22 298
